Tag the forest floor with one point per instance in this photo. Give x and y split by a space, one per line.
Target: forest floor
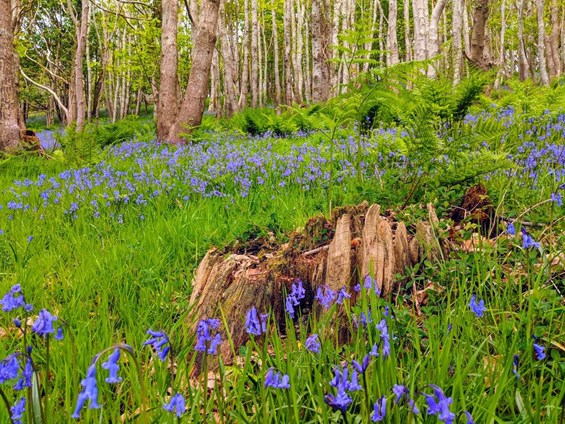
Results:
110 248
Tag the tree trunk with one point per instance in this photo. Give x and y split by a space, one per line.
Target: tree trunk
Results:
192 108
245 68
230 65
419 8
523 68
391 37
541 43
320 42
9 108
457 26
276 70
554 40
78 77
478 35
433 43
254 55
287 17
167 108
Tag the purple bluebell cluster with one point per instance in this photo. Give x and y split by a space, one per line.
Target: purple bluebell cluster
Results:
325 296
17 411
89 392
176 405
255 324
208 339
43 325
112 366
438 404
379 410
276 380
293 299
14 299
313 343
160 342
478 308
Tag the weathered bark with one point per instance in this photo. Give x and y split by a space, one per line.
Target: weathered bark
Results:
320 54
457 27
254 55
287 18
523 67
276 55
192 108
358 241
419 8
167 108
407 37
541 43
433 42
391 37
77 100
9 107
230 65
478 35
244 89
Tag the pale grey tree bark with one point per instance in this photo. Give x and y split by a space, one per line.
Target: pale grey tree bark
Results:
168 99
541 43
320 42
392 57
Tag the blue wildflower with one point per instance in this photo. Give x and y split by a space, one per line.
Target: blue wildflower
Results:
438 404
112 366
540 352
379 410
385 337
176 405
9 368
205 341
325 296
341 295
276 380
27 374
400 392
557 198
157 341
214 343
516 365
17 411
293 299
340 402
313 343
470 419
13 299
59 336
528 241
252 322
43 325
370 283
511 230
362 367
89 392
477 308
342 380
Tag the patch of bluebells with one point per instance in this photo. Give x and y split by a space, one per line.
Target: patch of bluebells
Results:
159 341
325 296
208 339
255 323
296 294
438 404
276 380
478 308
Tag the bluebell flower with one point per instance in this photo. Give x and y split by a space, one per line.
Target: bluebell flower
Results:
540 352
379 410
477 308
9 368
17 322
370 283
528 241
470 419
112 366
325 296
43 325
374 350
293 299
17 411
176 405
516 365
341 295
511 230
438 404
252 322
205 341
362 367
214 344
385 337
276 380
401 392
340 402
59 336
89 392
13 299
313 343
158 341
342 380
27 374
557 198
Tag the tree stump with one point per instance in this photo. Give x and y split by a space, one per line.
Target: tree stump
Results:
356 241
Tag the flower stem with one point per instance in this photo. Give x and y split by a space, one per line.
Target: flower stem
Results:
7 404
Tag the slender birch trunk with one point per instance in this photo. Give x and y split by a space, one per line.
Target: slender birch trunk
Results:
244 89
287 17
541 43
276 65
391 37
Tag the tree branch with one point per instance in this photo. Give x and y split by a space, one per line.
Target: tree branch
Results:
49 90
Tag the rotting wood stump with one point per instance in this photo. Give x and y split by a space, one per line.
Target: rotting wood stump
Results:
355 242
